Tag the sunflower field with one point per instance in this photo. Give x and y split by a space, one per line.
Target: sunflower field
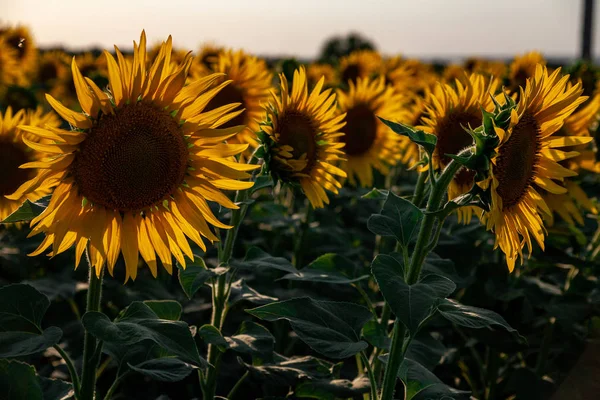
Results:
182 224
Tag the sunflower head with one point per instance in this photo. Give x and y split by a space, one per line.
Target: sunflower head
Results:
527 162
522 68
358 64
300 138
135 175
314 72
409 75
20 39
369 144
450 110
10 73
250 86
52 67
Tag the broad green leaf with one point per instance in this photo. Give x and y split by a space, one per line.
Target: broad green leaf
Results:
376 335
330 328
28 210
165 309
288 371
399 218
55 389
18 381
472 317
426 140
412 304
258 259
211 335
165 369
331 389
376 194
16 344
54 287
253 339
193 276
140 322
241 291
422 384
328 268
426 350
22 308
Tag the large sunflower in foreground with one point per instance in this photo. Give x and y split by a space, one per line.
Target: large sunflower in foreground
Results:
522 68
569 205
20 39
358 64
135 174
250 85
451 109
527 159
300 138
369 143
14 153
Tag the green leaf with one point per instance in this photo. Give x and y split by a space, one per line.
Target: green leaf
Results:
139 323
288 371
19 381
54 287
211 335
28 210
253 339
328 268
423 384
472 317
22 308
330 328
241 291
426 350
426 140
376 335
376 194
193 276
165 309
55 389
330 389
16 344
399 218
258 259
412 304
262 181
165 369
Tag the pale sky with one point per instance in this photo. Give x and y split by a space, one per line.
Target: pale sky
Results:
428 28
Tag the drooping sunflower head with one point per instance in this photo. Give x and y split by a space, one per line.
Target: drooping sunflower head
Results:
450 109
369 144
527 161
250 86
20 39
300 138
523 67
14 153
135 175
358 64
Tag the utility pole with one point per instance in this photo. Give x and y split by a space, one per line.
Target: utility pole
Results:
587 30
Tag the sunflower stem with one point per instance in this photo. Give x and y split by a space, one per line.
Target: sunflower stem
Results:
221 290
90 356
71 367
298 257
372 380
399 343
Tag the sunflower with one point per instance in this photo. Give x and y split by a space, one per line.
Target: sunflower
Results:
10 73
368 142
208 54
449 109
453 72
568 205
250 85
20 39
527 160
13 153
135 174
314 72
300 138
409 76
52 67
522 68
489 68
358 64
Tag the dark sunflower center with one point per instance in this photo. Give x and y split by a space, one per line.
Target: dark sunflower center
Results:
11 176
452 138
229 94
209 58
351 73
516 161
131 160
16 42
48 72
297 130
520 79
360 130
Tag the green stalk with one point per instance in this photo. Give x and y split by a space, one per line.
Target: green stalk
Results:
399 344
237 385
221 290
90 355
71 368
298 256
370 374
